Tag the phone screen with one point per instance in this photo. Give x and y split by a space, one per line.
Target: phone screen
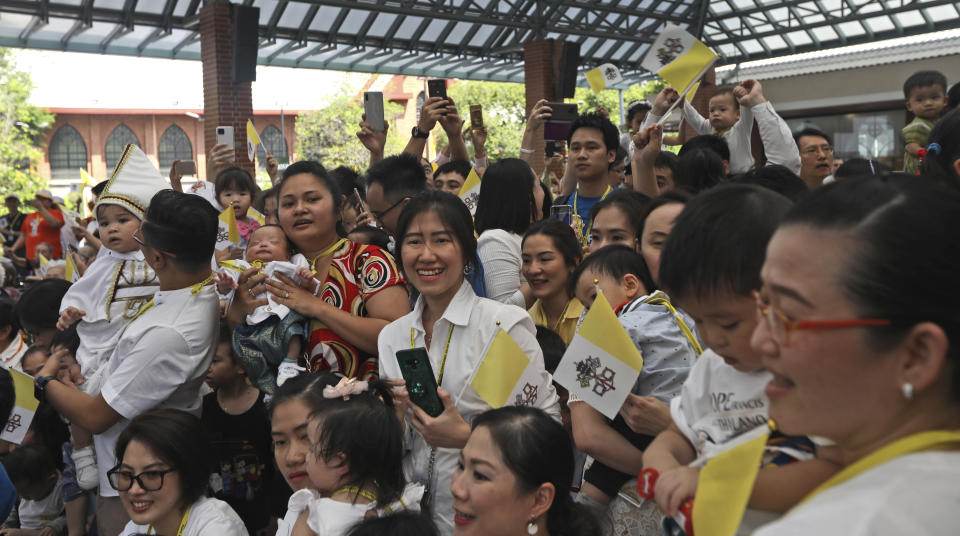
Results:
421 382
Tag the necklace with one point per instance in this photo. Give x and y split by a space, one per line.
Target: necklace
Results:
356 491
563 313
333 247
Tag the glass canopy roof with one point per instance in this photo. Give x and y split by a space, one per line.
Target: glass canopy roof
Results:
470 39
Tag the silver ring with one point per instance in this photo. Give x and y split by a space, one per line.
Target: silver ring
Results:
250 292
286 294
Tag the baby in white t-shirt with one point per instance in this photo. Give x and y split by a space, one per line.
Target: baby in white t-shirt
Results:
269 344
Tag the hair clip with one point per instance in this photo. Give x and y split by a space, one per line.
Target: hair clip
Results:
934 148
345 388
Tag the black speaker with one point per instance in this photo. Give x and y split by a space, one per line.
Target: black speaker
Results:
246 23
566 77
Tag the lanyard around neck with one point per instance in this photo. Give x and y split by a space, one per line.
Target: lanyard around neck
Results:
335 246
356 491
585 234
446 348
923 441
194 290
183 522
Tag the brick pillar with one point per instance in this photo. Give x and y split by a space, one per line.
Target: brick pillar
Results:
540 66
224 103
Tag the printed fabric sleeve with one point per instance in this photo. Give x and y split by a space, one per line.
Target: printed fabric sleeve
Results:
150 373
375 270
777 140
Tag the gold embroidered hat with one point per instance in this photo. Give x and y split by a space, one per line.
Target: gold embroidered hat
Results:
134 182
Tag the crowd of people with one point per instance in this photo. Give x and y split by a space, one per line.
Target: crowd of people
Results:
318 374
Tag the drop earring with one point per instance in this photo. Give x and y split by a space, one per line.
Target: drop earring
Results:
532 527
907 389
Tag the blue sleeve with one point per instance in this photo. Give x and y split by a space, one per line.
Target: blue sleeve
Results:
8 495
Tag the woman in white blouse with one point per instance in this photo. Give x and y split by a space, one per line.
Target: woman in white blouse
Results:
455 327
861 335
162 477
511 198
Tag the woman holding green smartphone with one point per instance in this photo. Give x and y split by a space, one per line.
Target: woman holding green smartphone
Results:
454 328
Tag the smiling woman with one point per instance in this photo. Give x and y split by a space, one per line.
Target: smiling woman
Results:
860 294
361 289
162 476
454 328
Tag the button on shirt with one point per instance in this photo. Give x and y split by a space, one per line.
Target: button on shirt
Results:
476 321
160 361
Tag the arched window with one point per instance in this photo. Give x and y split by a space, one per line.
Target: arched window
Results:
116 141
275 143
174 145
68 153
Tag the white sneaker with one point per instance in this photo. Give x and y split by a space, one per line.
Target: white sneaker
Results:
287 371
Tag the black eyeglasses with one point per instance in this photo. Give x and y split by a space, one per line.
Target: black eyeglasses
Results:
148 480
379 215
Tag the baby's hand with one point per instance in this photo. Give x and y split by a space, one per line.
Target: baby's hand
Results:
674 487
749 93
69 317
224 283
308 280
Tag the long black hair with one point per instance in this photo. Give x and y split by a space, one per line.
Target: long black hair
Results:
506 197
938 163
537 450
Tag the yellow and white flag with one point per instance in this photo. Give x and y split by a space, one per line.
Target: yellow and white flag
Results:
505 377
25 407
603 77
86 180
228 233
725 484
252 140
679 58
42 263
71 273
601 363
257 215
470 191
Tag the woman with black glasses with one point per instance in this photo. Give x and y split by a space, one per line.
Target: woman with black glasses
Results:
162 477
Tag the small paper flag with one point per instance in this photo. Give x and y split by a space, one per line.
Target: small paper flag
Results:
71 273
501 370
253 140
725 484
603 77
470 191
601 363
25 406
257 215
228 233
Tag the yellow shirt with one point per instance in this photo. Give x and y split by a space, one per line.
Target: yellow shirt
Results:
568 324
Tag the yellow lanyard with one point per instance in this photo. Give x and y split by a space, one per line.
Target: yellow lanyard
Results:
446 348
585 235
720 133
356 491
336 245
183 522
661 299
194 290
923 441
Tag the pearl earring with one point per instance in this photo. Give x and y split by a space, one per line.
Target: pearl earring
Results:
532 527
907 389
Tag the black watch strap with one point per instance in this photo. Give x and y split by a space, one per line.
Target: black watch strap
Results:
40 387
417 133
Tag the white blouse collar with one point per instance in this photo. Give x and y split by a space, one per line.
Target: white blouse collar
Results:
457 312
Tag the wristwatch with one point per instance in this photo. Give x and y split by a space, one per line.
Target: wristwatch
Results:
417 133
40 387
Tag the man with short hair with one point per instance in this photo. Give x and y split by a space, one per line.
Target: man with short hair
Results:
593 143
816 157
391 182
163 354
450 177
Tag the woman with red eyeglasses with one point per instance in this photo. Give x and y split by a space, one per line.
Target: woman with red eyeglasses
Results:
858 312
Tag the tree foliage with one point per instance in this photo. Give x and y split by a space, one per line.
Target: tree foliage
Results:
21 130
504 108
329 135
